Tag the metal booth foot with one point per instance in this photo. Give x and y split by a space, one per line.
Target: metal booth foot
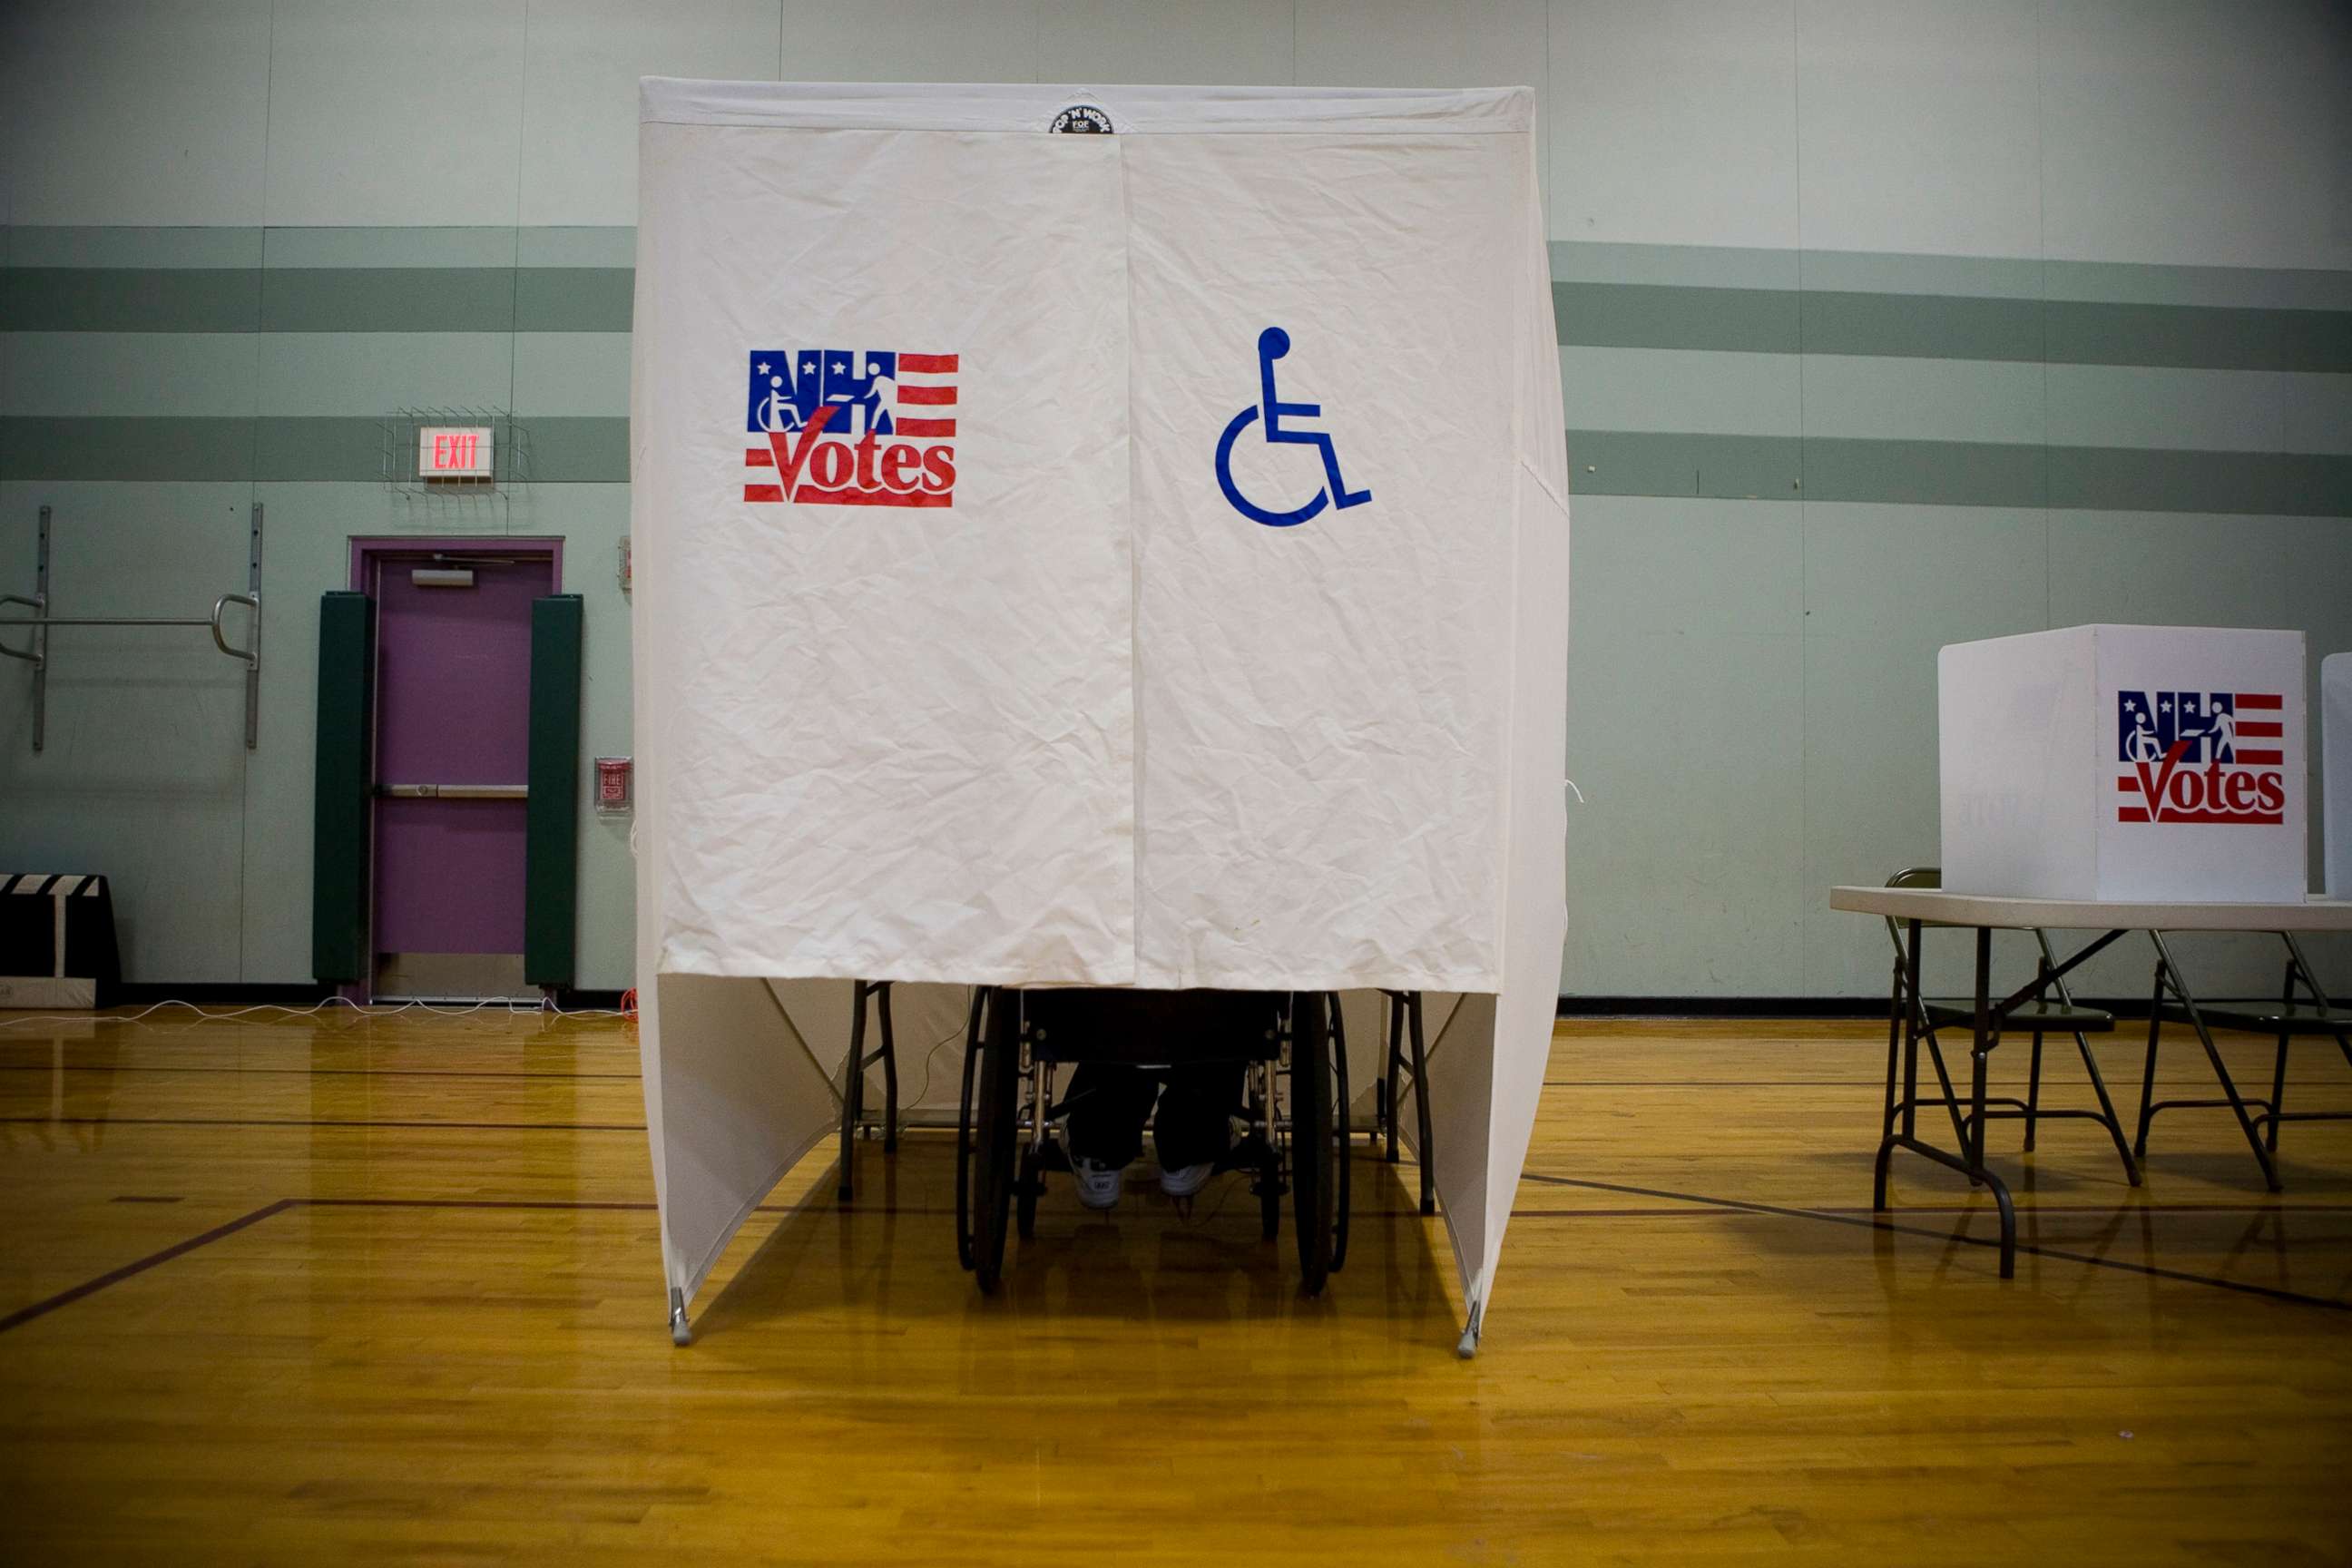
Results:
1469 1345
680 1331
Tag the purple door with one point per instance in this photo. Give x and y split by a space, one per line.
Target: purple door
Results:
452 747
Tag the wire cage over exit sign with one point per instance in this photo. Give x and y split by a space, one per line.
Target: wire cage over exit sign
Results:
453 453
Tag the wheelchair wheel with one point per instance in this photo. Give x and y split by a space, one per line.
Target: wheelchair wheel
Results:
994 1135
1312 1180
1342 1145
972 1051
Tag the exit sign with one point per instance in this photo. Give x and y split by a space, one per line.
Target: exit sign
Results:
454 452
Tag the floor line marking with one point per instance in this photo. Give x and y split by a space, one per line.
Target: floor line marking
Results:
1873 1222
1858 1218
23 1315
325 1072
295 1121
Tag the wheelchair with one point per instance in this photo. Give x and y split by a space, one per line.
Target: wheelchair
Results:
1296 1107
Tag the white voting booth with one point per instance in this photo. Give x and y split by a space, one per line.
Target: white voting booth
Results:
2153 764
1114 536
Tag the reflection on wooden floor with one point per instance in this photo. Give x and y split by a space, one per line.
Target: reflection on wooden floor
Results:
305 1292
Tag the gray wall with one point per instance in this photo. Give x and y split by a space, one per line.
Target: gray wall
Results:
1886 323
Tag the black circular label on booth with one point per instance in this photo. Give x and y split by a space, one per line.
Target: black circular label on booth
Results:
1083 119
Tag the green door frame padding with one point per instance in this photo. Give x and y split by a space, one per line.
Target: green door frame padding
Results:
343 782
551 838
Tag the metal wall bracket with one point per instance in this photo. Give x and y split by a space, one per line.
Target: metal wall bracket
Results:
35 652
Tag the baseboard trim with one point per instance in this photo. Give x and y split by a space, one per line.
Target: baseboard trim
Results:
1722 1006
1780 1007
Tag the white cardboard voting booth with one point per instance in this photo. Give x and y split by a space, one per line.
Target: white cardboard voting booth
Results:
2336 770
1111 536
2126 762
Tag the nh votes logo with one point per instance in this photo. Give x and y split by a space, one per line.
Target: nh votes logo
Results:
2199 756
851 427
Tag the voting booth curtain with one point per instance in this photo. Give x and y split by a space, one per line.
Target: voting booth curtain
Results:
1111 537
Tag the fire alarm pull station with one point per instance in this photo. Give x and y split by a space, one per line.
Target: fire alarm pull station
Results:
612 787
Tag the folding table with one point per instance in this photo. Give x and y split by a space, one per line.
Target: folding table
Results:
1916 907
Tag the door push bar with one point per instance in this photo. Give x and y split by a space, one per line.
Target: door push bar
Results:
37 649
454 792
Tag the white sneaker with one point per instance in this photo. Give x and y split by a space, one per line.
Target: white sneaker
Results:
1185 1180
1098 1185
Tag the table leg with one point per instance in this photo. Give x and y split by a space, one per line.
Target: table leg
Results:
1911 1007
1895 1012
2107 1109
2278 1068
2213 1055
2319 998
1981 1055
2148 1072
2033 1078
1905 1026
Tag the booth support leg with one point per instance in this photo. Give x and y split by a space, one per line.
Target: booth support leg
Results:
852 1087
1469 1345
1421 1108
680 1331
889 1075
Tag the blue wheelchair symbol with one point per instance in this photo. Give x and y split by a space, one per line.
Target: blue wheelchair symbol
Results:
1272 344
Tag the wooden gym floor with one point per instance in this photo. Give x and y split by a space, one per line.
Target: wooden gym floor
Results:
346 1288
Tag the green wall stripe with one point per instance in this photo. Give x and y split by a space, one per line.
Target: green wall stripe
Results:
388 299
130 299
1985 277
1588 314
2287 484
582 450
319 449
67 446
1958 473
1655 316
1658 463
574 299
1936 473
2200 337
1919 326
278 448
1933 326
317 299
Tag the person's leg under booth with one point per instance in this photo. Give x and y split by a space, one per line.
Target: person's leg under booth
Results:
1196 1106
1108 1103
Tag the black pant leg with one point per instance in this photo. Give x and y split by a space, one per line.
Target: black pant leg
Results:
1195 1109
1108 1103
